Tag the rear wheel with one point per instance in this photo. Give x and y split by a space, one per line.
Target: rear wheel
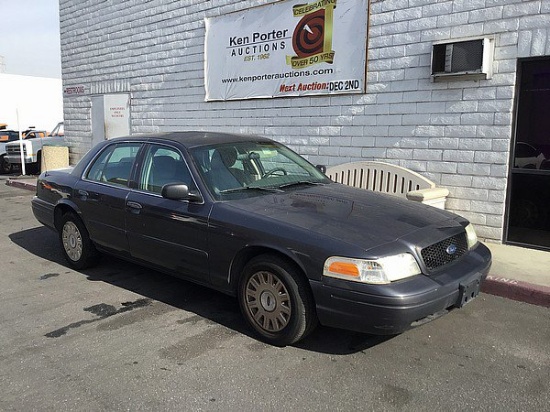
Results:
34 168
78 249
276 300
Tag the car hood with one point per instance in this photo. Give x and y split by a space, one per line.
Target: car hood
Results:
352 215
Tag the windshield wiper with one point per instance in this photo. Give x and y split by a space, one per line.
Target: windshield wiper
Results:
244 188
300 182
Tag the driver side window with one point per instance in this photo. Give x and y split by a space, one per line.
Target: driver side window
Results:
163 165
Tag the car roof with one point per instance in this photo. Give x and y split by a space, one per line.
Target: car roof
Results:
191 139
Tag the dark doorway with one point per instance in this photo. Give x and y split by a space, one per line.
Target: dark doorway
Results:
529 185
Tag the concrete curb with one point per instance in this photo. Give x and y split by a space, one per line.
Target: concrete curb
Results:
28 184
517 290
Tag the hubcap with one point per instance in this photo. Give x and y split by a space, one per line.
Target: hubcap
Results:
72 241
268 301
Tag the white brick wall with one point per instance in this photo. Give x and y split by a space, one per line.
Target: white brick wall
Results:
456 133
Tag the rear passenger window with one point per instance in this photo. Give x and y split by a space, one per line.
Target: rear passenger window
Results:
114 164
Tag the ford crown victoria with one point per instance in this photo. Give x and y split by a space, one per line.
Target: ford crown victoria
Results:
249 217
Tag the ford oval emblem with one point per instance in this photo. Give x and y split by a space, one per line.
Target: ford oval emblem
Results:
451 249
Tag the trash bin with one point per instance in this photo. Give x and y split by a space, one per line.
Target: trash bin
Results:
54 157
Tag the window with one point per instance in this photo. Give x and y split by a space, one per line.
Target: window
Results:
163 165
114 164
231 169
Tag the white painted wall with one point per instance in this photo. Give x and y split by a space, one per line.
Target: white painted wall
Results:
38 99
455 133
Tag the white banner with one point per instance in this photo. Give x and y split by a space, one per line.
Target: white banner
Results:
288 48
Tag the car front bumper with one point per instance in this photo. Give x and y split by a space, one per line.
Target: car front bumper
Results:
16 159
392 309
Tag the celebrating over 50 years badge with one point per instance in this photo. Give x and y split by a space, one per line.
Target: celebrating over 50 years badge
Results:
312 37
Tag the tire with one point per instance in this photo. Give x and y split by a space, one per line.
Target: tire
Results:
5 166
78 249
276 300
34 168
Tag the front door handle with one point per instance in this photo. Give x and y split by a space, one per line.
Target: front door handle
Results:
135 206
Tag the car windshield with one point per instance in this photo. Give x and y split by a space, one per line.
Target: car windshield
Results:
244 169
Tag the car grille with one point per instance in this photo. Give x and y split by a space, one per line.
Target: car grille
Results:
444 252
14 149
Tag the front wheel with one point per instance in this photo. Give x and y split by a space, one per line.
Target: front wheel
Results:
78 249
276 300
34 168
5 166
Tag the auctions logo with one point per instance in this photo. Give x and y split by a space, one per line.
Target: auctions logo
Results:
312 37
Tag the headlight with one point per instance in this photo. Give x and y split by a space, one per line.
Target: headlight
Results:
377 271
471 236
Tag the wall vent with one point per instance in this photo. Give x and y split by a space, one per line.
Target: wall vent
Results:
463 60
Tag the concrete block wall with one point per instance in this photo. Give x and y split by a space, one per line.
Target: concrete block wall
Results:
456 133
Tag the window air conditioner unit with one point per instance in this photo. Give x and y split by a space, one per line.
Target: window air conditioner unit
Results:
463 60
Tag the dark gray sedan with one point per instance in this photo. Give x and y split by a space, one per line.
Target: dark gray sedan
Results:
249 217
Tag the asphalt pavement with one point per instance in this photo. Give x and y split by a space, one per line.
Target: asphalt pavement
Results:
122 337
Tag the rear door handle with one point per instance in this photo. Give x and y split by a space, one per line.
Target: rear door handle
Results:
83 193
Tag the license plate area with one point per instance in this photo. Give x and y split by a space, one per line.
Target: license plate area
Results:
468 291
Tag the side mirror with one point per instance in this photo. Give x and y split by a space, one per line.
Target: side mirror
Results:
322 168
179 191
